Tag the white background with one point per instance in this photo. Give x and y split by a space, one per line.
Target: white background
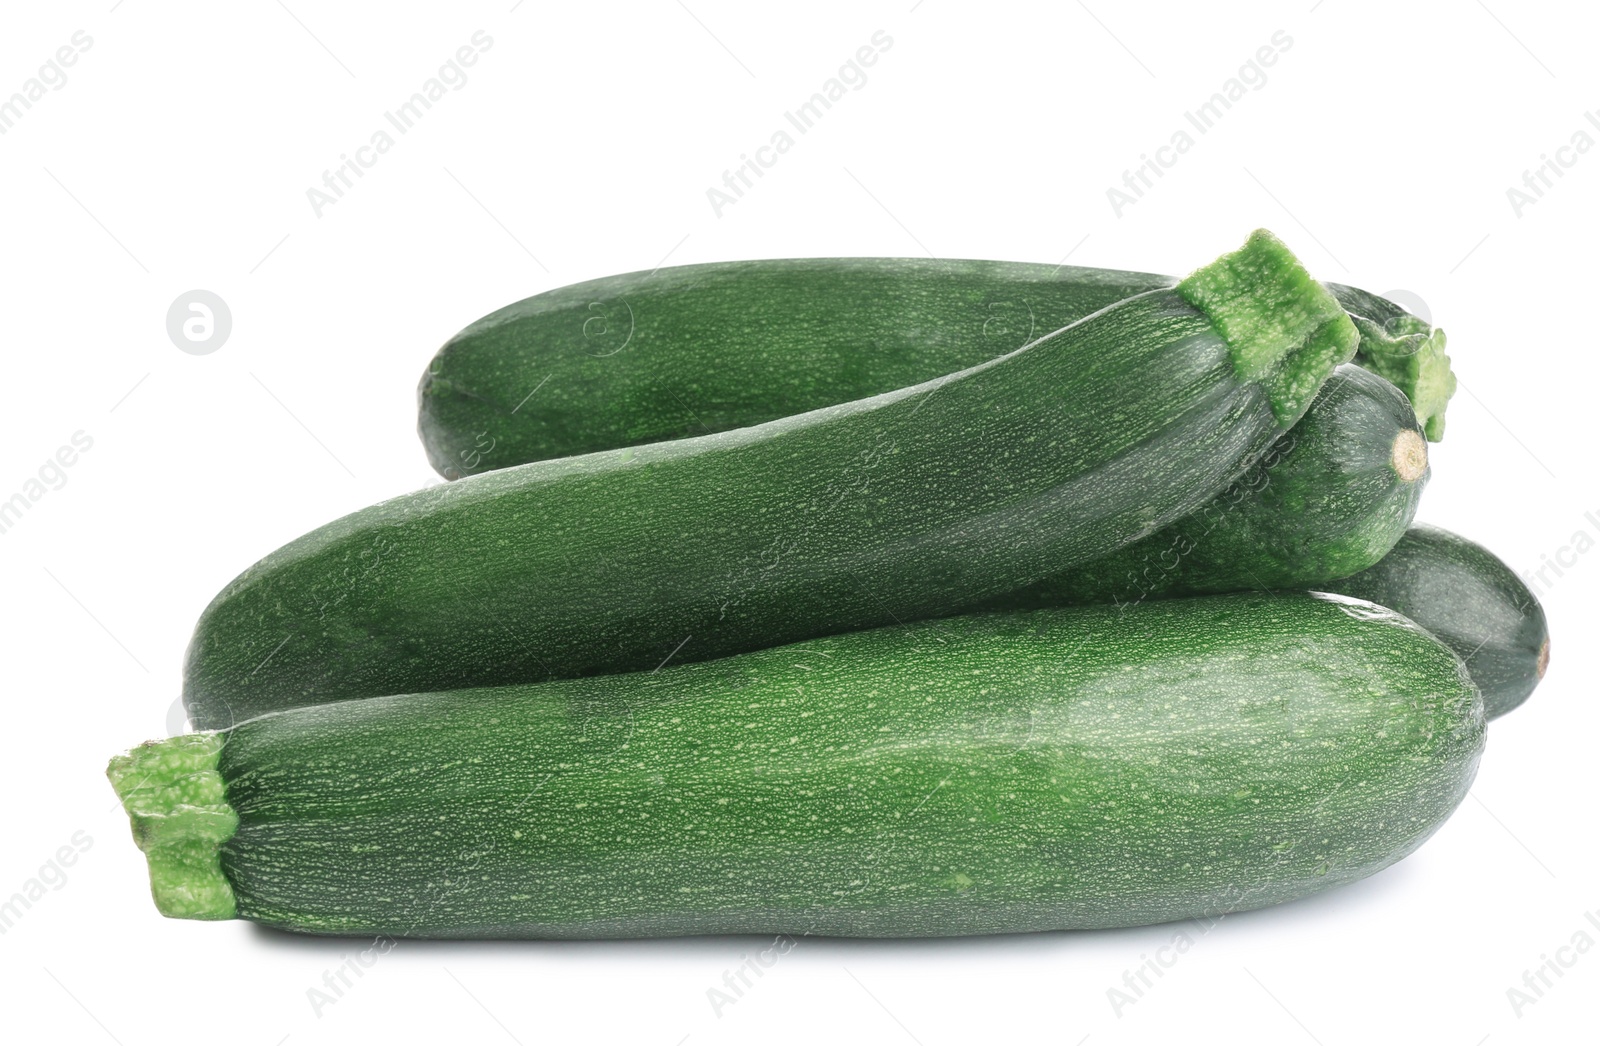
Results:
178 153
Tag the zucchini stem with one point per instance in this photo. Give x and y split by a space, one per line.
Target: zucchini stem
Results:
1283 328
1406 350
176 801
1416 364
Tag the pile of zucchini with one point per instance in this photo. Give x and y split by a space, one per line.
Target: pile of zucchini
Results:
866 597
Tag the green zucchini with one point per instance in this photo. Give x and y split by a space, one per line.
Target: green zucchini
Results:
1330 498
903 506
1075 767
1469 599
688 350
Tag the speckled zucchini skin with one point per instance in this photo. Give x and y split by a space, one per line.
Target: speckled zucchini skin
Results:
890 509
1467 597
687 350
693 349
1330 498
1079 767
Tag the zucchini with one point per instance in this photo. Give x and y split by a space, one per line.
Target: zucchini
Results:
688 350
1331 497
1074 767
903 506
1469 599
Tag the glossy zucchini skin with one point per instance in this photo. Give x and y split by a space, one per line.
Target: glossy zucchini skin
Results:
1467 597
903 506
1065 768
1330 498
687 350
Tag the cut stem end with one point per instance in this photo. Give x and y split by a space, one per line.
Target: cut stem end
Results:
176 803
1409 455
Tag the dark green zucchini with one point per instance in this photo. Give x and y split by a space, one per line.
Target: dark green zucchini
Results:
1077 767
689 350
1330 498
1467 597
903 506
